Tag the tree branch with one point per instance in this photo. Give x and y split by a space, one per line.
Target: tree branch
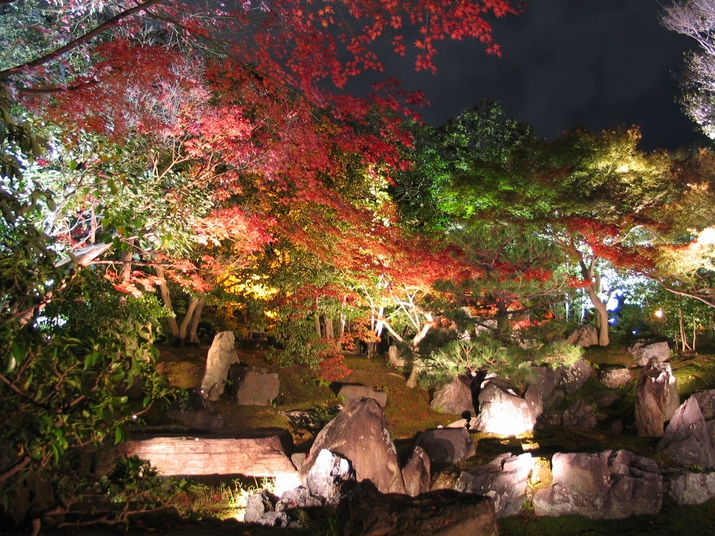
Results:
19 466
688 295
109 23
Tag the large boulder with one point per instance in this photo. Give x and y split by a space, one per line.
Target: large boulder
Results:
605 485
350 391
503 480
455 398
580 415
222 355
686 439
615 377
505 413
643 352
548 382
706 399
416 473
575 376
656 399
689 487
359 433
446 445
584 336
443 512
258 388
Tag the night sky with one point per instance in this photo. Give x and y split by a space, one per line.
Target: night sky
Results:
567 63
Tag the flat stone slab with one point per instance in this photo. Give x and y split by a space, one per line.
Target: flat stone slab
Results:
191 455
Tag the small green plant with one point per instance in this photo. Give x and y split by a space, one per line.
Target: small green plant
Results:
236 493
321 382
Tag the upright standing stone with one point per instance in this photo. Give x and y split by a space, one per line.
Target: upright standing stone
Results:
359 434
222 355
686 439
416 473
656 399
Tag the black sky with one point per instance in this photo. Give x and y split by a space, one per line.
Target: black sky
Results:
593 64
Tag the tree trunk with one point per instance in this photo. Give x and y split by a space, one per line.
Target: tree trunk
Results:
190 312
602 313
329 329
166 298
602 317
194 325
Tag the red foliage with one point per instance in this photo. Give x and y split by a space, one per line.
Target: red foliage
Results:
333 368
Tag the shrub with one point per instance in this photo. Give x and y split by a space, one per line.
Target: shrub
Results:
509 362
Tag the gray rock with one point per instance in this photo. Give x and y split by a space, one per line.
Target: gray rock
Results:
221 356
258 388
688 487
606 485
706 399
278 519
656 399
416 473
504 413
584 336
575 376
686 439
443 512
299 497
580 415
614 378
643 352
455 398
327 474
446 445
258 504
359 434
503 480
352 391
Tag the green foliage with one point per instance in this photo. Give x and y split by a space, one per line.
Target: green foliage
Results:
65 376
464 356
557 354
478 138
507 361
70 346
